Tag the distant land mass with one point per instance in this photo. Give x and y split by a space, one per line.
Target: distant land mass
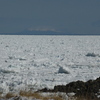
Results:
27 32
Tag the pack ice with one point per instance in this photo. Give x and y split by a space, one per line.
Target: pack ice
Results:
35 62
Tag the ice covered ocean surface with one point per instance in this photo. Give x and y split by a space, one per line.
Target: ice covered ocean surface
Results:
35 62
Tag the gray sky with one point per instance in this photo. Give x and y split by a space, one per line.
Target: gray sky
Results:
72 16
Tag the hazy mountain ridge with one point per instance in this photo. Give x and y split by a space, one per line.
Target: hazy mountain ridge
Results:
27 32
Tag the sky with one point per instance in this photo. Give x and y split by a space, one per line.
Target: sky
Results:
69 16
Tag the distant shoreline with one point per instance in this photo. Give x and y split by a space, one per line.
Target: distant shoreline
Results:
27 32
54 34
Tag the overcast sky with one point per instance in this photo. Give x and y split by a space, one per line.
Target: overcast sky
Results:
70 16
